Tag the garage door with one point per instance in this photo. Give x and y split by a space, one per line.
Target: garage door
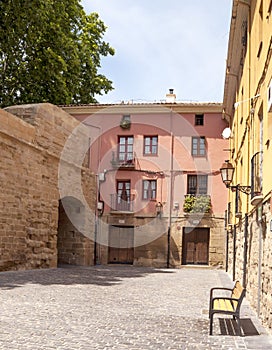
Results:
121 245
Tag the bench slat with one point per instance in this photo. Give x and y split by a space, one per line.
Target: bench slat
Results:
224 305
237 290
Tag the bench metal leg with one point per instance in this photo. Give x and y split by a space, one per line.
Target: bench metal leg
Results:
211 323
239 326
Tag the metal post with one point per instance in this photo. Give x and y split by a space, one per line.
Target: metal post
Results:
171 193
227 239
260 268
234 253
227 251
245 251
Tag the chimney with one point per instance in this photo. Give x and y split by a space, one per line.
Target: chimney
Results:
171 97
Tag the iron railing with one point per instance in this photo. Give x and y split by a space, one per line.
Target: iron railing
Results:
122 203
124 160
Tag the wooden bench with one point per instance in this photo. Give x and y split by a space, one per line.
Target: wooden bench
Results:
227 305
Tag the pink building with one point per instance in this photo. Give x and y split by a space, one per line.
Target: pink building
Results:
160 198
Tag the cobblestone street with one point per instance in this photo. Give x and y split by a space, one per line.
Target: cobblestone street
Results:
118 307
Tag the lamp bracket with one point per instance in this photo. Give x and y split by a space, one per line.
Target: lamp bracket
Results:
244 189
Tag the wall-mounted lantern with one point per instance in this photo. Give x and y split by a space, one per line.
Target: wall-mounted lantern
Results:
125 122
159 208
227 172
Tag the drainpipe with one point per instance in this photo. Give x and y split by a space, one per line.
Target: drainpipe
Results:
234 253
171 191
227 240
245 251
260 267
227 250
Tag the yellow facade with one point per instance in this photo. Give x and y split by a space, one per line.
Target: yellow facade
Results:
248 109
246 98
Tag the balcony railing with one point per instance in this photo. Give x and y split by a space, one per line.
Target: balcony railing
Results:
124 161
256 175
120 204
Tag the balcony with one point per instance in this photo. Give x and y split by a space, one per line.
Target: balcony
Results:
256 178
124 161
119 204
197 203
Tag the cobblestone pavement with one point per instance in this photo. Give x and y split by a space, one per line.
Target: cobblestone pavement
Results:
118 307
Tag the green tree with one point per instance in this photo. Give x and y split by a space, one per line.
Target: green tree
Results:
50 51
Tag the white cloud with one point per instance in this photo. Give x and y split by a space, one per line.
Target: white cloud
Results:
161 44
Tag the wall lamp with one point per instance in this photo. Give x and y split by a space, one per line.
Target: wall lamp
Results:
237 104
227 172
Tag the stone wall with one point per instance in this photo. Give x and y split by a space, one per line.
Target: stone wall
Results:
217 236
32 139
151 238
257 272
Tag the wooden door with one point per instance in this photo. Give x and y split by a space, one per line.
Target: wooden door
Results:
195 246
121 245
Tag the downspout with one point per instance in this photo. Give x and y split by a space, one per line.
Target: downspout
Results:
227 241
246 3
260 267
234 253
171 190
248 151
245 251
227 250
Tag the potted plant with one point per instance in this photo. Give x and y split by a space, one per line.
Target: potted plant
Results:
197 204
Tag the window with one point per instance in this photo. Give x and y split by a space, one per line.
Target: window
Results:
125 148
149 189
261 10
199 119
260 49
151 145
270 8
123 198
257 174
197 184
198 146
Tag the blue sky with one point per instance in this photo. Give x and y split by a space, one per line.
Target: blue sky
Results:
162 44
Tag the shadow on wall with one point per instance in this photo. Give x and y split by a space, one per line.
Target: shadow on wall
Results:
71 242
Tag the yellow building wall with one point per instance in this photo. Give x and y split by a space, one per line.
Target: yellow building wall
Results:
252 123
246 101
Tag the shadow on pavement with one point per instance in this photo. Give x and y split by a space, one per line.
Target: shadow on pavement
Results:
71 275
229 326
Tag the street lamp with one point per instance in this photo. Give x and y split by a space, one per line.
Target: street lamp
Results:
227 172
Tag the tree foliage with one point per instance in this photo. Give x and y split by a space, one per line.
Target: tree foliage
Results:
50 51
